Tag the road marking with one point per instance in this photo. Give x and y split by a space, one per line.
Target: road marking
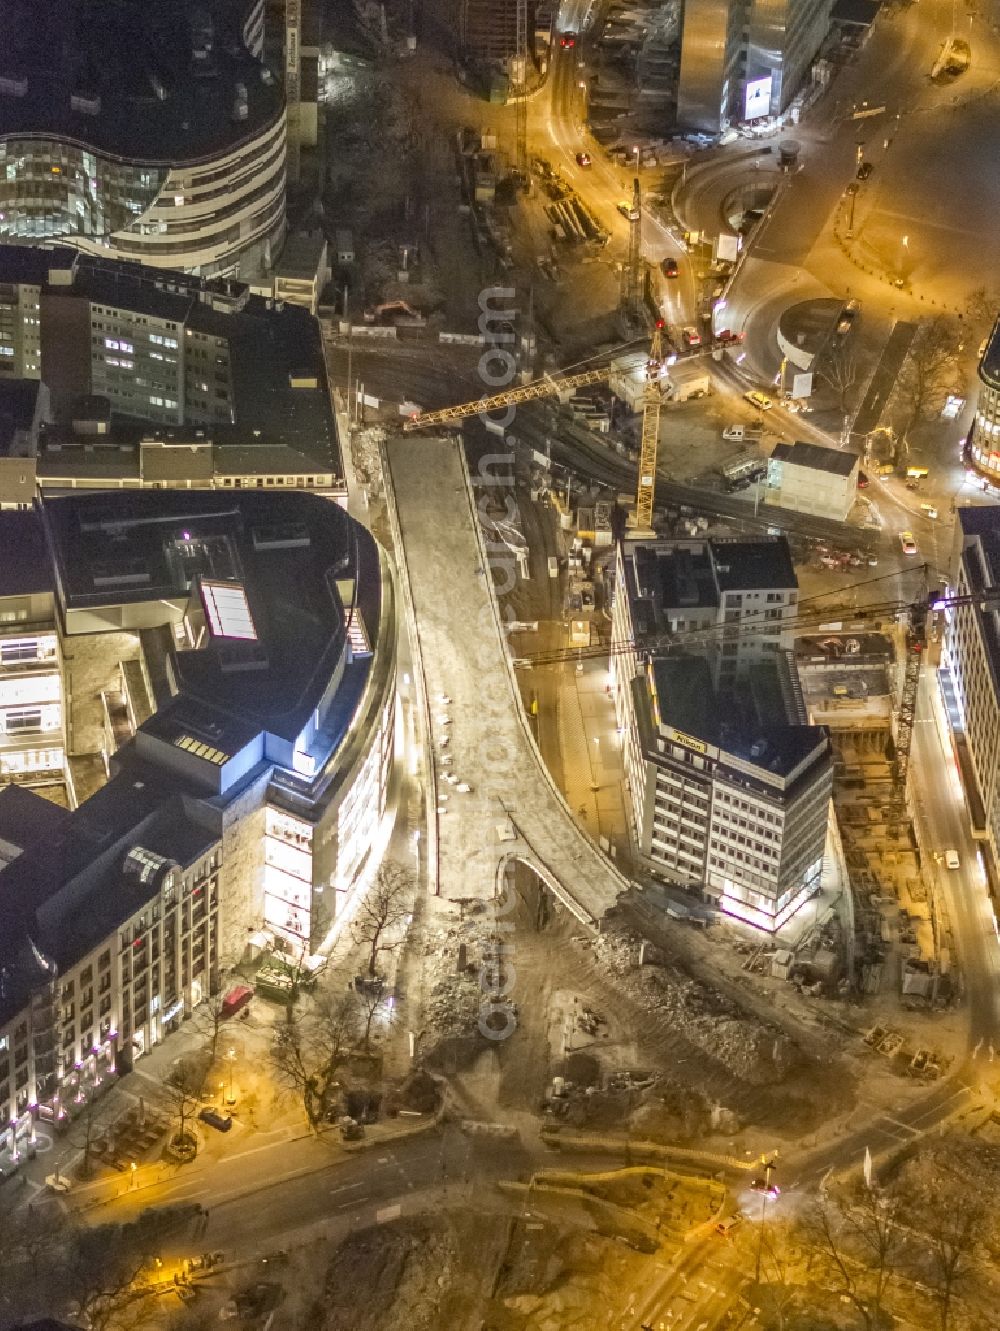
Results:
346 1187
383 1160
346 1206
252 1150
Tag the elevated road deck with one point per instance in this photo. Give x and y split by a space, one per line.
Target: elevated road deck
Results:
478 731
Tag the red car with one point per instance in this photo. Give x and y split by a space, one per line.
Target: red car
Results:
669 267
567 40
583 159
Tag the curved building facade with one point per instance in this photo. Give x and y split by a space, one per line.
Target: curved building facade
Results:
155 134
248 693
983 445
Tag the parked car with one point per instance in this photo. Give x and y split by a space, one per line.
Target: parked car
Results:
583 159
862 481
865 170
691 336
908 543
759 400
624 206
567 40
221 1122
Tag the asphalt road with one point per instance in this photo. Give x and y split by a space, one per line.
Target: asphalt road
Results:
937 796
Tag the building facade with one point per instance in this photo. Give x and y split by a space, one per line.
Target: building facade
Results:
154 378
728 787
742 59
248 700
812 479
971 665
982 449
155 134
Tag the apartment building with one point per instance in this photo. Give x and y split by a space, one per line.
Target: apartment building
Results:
152 378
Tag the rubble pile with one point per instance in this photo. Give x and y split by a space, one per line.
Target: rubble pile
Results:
752 1050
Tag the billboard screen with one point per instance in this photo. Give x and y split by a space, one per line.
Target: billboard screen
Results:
757 98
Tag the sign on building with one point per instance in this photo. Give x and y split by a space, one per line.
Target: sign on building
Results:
757 98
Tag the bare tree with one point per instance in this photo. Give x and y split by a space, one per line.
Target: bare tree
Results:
374 999
209 1017
959 1214
385 907
858 1239
927 372
840 370
310 1050
980 312
183 1088
91 1124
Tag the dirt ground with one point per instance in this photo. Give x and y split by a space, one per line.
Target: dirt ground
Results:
482 1273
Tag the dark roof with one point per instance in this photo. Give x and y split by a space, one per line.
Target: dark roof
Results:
980 527
283 419
834 460
25 568
62 897
672 575
754 565
26 819
156 101
855 13
111 549
18 399
989 365
754 726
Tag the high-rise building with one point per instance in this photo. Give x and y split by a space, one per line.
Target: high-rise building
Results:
745 58
729 787
971 667
145 132
983 446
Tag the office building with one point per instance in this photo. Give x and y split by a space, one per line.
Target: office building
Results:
152 378
745 59
232 662
970 674
728 786
152 133
982 451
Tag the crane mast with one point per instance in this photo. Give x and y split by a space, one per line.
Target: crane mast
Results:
652 400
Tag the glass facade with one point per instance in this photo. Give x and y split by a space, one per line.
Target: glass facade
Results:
51 189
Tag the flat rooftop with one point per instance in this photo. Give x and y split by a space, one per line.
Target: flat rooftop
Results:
154 83
752 725
688 575
835 461
283 418
113 550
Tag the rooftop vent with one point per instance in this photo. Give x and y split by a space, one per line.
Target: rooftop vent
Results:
758 748
85 104
13 87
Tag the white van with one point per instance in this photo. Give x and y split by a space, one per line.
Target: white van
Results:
951 859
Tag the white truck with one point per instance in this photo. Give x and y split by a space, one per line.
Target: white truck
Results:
743 434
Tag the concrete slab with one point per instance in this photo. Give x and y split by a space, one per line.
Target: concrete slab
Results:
476 717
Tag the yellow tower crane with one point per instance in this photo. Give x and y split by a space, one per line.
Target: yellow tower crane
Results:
552 387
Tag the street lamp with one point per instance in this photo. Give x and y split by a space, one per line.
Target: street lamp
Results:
231 1057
